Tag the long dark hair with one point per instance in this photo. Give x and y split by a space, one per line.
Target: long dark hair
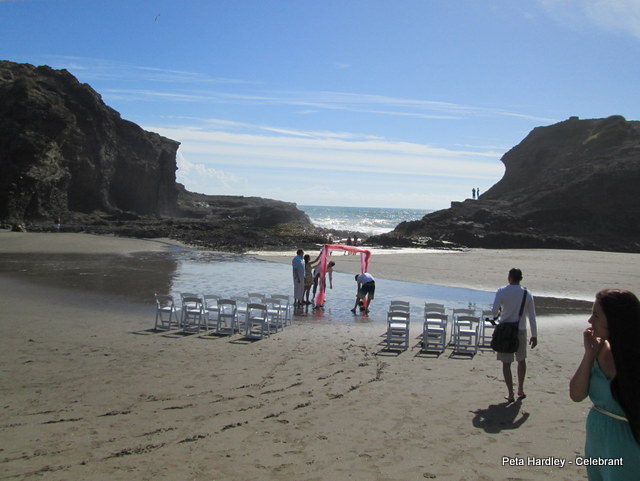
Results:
622 310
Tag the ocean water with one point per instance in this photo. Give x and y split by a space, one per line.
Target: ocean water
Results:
368 220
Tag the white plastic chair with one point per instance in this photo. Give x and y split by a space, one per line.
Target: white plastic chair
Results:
193 317
211 308
227 322
166 312
456 313
397 305
275 312
434 332
241 308
398 329
285 307
466 334
256 324
256 297
463 312
486 328
434 307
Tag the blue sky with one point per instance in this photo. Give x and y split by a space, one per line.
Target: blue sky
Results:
404 103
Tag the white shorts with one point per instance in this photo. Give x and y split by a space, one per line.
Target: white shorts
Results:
298 289
520 354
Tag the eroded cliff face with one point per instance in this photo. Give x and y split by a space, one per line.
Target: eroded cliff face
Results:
64 153
577 170
573 184
62 149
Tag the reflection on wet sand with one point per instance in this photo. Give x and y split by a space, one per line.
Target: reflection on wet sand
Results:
136 277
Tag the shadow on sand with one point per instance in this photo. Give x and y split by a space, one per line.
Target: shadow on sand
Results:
500 417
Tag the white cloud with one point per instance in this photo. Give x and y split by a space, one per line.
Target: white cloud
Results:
194 87
325 168
380 156
611 15
211 124
616 14
198 177
322 101
96 68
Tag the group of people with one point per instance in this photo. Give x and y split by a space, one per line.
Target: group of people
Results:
307 275
609 373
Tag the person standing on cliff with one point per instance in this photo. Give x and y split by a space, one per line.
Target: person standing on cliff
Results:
507 303
298 278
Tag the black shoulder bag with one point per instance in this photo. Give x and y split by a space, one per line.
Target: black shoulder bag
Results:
505 335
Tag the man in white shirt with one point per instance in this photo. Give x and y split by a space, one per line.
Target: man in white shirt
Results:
366 289
507 303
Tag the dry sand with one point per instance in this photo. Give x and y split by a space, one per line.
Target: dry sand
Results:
89 391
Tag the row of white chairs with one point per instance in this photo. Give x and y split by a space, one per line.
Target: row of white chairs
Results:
255 315
469 329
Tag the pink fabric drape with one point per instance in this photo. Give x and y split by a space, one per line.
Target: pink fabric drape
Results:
365 255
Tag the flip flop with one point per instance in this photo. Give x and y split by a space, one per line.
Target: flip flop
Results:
509 399
521 396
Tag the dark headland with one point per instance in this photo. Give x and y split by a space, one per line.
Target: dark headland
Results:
64 154
571 185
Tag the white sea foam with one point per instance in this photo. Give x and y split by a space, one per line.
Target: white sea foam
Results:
368 220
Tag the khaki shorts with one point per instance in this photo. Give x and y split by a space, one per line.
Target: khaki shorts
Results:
520 354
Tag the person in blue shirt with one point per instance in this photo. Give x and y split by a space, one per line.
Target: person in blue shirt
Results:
298 278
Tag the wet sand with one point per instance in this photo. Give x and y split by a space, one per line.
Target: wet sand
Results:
547 273
90 391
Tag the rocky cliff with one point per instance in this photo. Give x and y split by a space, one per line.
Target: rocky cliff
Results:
64 153
62 149
569 185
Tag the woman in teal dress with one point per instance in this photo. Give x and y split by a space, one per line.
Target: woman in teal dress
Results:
610 375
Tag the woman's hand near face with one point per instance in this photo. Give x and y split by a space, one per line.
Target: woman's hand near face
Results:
579 384
592 344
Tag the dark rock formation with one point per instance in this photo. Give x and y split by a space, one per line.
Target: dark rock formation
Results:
252 211
62 149
64 153
569 185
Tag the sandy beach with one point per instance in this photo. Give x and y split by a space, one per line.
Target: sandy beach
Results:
90 391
